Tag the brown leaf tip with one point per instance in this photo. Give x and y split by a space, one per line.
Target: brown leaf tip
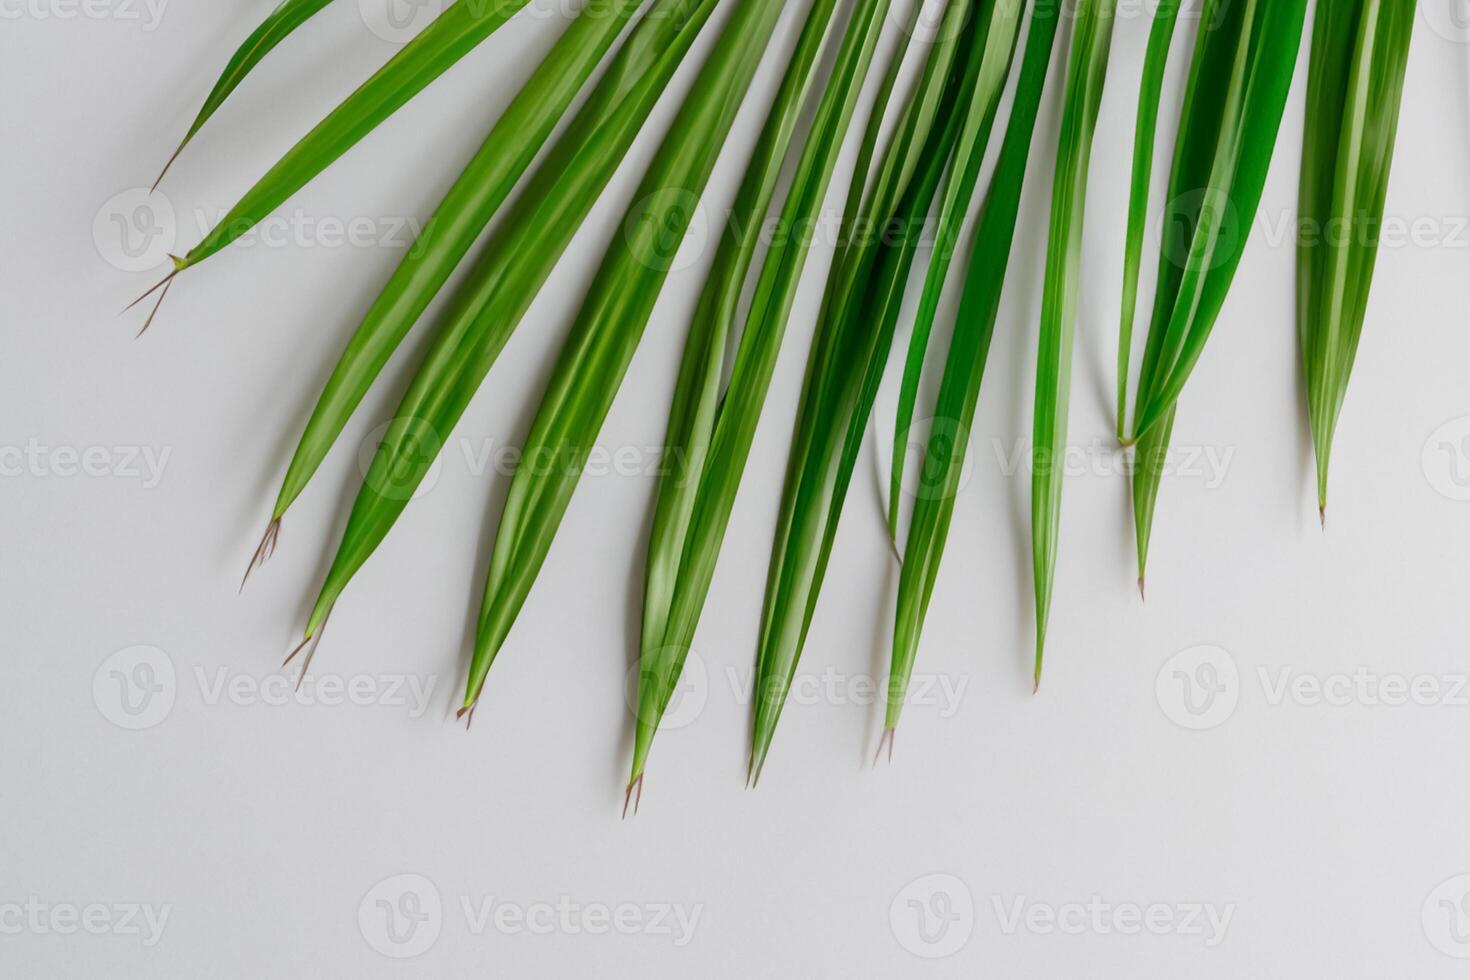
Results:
263 551
633 795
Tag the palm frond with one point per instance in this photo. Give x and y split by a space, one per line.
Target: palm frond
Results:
694 508
279 25
854 333
964 368
1244 59
1360 53
511 270
610 325
1086 74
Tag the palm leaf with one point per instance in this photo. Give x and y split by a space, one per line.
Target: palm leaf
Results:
854 333
694 506
1253 53
452 35
610 325
1086 75
969 348
996 54
695 402
1150 460
875 192
459 219
514 265
290 15
1244 59
1355 88
1155 60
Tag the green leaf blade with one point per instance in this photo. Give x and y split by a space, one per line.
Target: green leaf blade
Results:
452 35
697 390
276 27
1244 60
509 273
610 326
1355 90
964 369
1086 76
1242 139
996 54
456 223
854 335
1156 59
665 649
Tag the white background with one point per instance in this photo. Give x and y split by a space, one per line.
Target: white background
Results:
266 831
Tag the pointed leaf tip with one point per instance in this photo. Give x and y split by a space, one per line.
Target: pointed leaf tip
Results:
263 551
634 794
886 739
